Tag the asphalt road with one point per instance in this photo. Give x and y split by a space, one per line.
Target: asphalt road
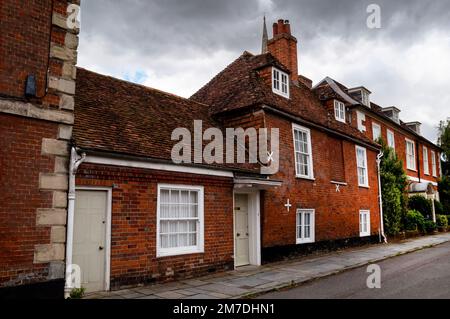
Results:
422 274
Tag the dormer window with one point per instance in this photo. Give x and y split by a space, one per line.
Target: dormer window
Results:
365 98
339 111
280 83
361 94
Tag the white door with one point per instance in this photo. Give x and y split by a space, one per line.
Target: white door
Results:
241 230
89 238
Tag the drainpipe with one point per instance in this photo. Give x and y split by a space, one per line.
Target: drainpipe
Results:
379 156
75 162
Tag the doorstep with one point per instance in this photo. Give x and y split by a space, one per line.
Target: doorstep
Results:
249 281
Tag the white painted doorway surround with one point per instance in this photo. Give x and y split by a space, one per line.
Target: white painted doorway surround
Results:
247 229
92 237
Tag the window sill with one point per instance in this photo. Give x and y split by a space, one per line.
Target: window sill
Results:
364 235
364 186
412 170
178 252
301 242
305 177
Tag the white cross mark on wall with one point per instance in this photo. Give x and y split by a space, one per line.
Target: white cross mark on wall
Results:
288 205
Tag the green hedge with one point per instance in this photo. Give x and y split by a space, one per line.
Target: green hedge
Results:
422 205
414 221
442 221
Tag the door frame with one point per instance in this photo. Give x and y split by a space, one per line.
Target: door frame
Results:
254 225
107 263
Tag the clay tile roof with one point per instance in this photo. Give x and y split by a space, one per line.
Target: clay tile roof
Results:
239 86
116 116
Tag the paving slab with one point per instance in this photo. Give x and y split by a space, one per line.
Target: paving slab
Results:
251 280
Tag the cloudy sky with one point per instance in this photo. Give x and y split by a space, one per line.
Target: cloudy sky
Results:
179 45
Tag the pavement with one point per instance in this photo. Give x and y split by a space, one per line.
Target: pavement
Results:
422 274
252 281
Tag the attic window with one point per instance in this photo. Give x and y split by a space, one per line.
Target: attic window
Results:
280 83
339 111
365 98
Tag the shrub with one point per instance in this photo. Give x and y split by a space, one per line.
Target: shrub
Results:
442 221
414 221
439 208
444 193
430 226
77 293
422 205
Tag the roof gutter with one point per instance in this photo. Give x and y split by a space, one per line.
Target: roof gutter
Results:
320 127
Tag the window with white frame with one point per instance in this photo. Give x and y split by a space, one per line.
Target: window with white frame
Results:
376 131
303 152
364 223
426 164
179 220
305 226
433 163
361 119
361 162
391 139
410 155
365 97
280 82
339 111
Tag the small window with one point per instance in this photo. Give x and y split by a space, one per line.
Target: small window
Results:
280 82
376 131
179 220
361 119
391 139
433 163
365 98
364 223
303 152
339 111
410 155
361 161
426 164
305 226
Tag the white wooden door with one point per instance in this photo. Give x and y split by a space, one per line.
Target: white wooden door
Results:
89 238
241 230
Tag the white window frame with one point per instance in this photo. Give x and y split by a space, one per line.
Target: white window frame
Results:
426 162
366 167
278 85
391 139
360 118
364 232
378 126
312 234
339 111
433 163
199 248
310 175
413 155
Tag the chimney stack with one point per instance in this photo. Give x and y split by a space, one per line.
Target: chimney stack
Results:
283 46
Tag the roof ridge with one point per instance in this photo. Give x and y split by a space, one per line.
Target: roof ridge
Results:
148 88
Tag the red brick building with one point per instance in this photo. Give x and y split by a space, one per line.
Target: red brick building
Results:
110 198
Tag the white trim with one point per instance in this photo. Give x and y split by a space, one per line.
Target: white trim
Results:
376 125
200 248
312 228
254 226
360 118
416 179
279 91
303 129
156 166
366 172
388 131
337 111
411 168
426 168
368 232
108 228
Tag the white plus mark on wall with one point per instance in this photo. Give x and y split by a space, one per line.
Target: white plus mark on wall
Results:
288 205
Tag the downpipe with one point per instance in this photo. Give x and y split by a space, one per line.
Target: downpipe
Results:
380 199
75 161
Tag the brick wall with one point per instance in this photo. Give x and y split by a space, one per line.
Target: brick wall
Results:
336 213
133 251
35 134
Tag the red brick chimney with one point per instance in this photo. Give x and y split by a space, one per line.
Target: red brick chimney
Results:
283 46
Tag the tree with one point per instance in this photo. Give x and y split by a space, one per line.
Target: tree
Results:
393 187
444 193
444 139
